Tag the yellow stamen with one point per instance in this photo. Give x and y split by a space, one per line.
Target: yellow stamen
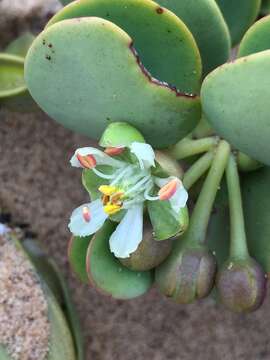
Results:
111 209
115 198
107 189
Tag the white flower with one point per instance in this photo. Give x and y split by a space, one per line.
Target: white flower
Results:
130 185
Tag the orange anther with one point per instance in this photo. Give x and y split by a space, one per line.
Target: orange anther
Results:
87 161
113 151
86 213
168 190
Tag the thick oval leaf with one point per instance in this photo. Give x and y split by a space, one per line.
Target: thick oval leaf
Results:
239 15
164 220
164 44
13 92
20 45
108 275
237 104
77 251
91 76
52 276
265 9
11 76
207 25
256 193
256 38
60 337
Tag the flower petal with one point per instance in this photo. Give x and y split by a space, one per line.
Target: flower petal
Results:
129 233
144 153
80 227
100 157
180 197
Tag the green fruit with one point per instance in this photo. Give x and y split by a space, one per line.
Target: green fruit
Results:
241 285
149 254
237 104
188 275
75 90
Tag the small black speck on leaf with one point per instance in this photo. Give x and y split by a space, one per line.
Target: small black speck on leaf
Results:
160 10
48 57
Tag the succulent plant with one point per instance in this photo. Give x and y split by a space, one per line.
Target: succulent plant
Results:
53 331
154 84
13 91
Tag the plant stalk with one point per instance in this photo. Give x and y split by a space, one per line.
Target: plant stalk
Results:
238 240
195 172
188 147
196 232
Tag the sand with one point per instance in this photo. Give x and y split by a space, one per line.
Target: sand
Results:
39 187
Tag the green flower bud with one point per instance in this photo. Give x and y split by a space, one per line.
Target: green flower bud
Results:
187 277
120 134
241 285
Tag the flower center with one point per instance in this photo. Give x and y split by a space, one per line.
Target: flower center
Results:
111 198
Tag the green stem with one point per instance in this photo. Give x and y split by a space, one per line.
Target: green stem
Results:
238 241
197 170
196 232
188 147
203 129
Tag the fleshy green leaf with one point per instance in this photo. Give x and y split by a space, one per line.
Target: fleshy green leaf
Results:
13 91
256 192
237 104
20 45
256 38
77 252
159 37
164 221
239 15
207 25
108 275
76 91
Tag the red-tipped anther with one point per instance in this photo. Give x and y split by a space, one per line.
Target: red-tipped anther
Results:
86 213
168 190
87 161
113 151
